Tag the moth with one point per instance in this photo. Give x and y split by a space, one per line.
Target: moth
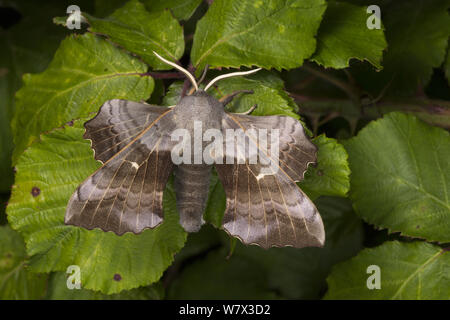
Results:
135 143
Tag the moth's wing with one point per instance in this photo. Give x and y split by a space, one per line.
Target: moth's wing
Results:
296 151
125 194
117 123
264 204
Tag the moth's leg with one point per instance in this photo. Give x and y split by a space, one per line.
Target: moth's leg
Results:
249 110
203 74
228 98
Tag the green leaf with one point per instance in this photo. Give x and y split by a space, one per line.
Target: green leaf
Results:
254 273
197 244
85 72
417 41
27 46
57 290
301 273
109 263
408 271
141 32
268 94
265 33
344 35
173 94
215 277
447 67
417 33
16 281
181 9
104 8
401 176
330 176
60 21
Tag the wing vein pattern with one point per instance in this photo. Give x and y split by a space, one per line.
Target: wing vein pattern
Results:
132 140
267 208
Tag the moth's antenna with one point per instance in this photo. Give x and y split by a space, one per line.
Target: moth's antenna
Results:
187 73
229 75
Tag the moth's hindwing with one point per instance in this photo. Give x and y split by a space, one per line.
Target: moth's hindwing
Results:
266 207
132 140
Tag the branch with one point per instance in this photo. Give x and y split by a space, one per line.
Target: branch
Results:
164 75
351 91
434 111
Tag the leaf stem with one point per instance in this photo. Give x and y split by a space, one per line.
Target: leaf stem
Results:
351 91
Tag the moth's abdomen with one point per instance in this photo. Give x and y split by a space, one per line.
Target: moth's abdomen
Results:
191 188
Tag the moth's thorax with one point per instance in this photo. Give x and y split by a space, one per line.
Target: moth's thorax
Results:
198 107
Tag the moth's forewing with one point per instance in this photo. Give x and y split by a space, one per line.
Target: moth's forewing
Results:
266 207
125 194
117 123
